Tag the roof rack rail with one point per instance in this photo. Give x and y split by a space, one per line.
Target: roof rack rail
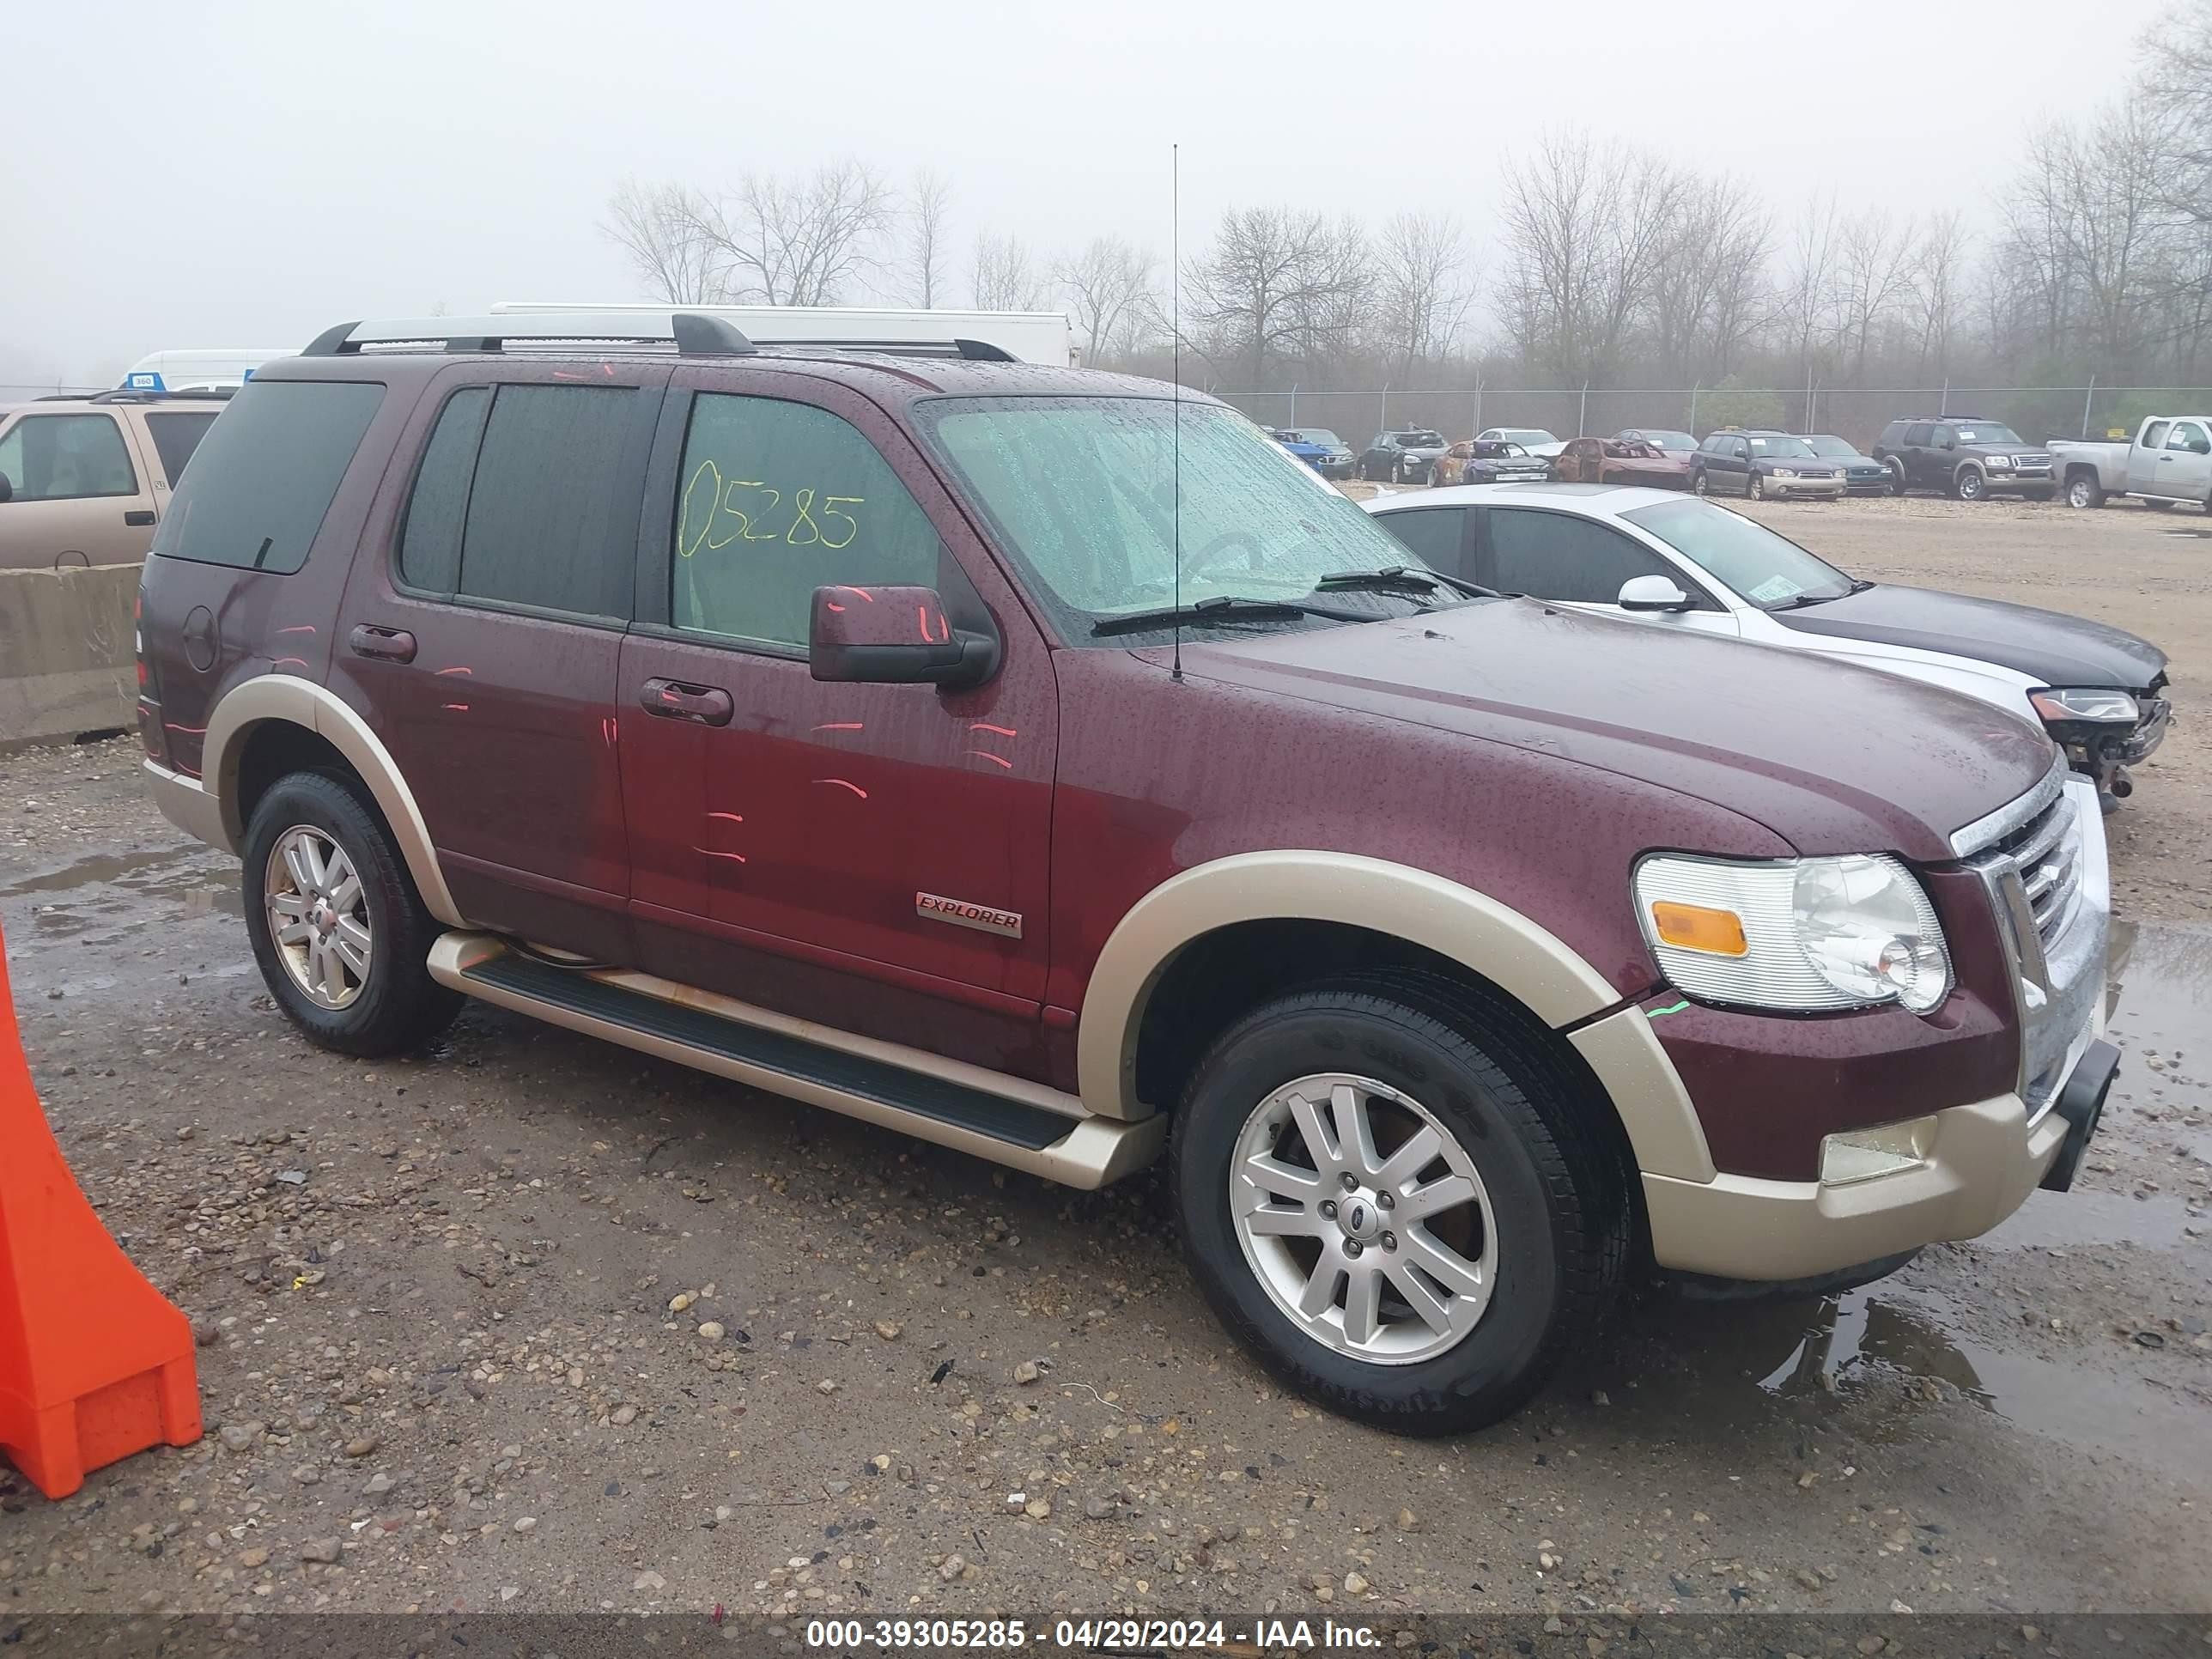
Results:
133 395
974 351
692 333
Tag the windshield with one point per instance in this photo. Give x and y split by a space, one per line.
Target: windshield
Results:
1420 440
1081 492
1315 435
1526 434
1833 449
1765 568
1664 440
1780 448
1497 449
1984 433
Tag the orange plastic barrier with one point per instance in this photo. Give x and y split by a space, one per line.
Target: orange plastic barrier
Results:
95 1364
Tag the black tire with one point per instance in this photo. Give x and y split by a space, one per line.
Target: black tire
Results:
1967 484
1896 475
1557 1188
1756 488
1699 486
398 1006
2085 490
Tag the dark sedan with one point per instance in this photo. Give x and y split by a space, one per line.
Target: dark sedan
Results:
1862 474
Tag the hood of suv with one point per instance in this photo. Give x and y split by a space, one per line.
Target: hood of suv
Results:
2056 649
1832 757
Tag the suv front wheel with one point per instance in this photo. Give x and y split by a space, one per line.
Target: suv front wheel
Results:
1969 485
1407 1217
340 936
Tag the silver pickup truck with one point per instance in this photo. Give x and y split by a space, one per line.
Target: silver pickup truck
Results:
2169 461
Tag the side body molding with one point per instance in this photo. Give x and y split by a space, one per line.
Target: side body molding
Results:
1521 957
302 702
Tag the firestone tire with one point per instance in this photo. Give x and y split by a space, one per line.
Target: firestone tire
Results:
1553 1210
395 1006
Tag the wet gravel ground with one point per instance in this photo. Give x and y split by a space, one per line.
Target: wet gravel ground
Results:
530 1322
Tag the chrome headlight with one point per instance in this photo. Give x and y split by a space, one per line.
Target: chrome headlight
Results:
1799 934
1785 471
2082 703
1999 462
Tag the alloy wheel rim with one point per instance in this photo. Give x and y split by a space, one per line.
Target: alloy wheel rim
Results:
317 908
2077 493
1363 1219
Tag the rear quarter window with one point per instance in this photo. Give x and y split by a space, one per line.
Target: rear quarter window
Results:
262 478
176 436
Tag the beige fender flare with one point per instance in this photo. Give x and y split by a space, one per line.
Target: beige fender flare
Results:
1522 958
302 702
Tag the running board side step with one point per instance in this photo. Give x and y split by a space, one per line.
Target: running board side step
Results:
1007 1119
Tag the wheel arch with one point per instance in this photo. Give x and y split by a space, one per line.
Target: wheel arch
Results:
246 712
1455 926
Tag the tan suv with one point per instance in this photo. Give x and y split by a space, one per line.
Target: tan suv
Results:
84 480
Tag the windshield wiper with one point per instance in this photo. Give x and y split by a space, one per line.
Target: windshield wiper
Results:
1399 577
1224 608
1798 601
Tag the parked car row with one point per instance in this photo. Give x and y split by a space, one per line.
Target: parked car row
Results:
1963 456
1033 761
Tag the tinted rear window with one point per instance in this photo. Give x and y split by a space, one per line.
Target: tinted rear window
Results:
175 436
542 524
262 478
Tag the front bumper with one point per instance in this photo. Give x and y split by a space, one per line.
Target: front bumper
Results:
1986 1159
1875 483
1787 488
2019 483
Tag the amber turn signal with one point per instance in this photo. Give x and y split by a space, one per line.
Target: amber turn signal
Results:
1695 927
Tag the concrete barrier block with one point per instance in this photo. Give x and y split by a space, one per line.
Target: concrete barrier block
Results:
66 662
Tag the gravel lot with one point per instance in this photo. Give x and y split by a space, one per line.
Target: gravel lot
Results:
533 1323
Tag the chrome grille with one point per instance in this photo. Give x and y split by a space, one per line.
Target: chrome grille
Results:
2046 852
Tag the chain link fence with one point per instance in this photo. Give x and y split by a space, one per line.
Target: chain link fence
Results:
2037 413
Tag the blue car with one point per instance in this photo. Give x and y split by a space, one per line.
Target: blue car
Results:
1319 448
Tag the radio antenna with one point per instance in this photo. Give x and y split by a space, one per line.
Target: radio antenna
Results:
1175 327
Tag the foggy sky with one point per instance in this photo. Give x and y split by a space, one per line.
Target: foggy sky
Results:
247 174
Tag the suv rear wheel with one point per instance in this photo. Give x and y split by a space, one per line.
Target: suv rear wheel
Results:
1404 1216
341 935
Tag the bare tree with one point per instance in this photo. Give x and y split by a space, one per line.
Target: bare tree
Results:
1276 284
1108 289
928 217
1002 276
797 241
1939 262
1709 288
2177 84
1874 273
1424 285
1586 232
659 228
1808 282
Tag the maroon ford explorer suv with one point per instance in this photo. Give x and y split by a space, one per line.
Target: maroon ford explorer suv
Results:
1038 764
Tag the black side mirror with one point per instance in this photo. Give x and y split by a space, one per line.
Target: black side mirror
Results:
894 636
1949 444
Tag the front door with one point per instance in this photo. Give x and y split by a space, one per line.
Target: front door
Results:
1570 560
789 835
484 645
76 495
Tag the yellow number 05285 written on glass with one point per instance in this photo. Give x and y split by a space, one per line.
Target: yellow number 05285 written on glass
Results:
709 500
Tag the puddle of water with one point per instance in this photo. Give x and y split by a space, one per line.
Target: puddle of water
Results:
2081 1220
1805 1349
102 867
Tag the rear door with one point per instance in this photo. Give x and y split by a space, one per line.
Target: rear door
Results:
1567 559
78 493
786 831
481 631
1919 444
